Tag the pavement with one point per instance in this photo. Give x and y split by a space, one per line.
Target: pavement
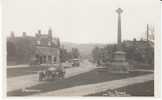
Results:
25 81
143 70
22 82
18 66
99 87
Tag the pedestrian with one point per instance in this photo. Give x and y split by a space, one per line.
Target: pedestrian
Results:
41 75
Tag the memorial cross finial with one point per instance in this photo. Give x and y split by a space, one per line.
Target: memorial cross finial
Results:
119 10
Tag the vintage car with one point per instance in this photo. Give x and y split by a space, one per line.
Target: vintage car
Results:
33 61
75 62
51 73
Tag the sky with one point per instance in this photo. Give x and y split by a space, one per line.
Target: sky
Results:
80 21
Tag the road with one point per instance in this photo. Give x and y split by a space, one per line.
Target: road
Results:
25 81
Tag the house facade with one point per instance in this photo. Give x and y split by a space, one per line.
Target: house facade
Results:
47 48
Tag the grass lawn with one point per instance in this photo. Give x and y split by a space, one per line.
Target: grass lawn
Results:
140 89
13 72
82 79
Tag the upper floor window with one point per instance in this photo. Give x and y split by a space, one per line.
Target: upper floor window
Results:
38 42
49 43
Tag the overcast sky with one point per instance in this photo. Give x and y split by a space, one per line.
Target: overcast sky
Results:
81 21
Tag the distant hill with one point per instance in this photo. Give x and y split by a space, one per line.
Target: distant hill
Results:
84 49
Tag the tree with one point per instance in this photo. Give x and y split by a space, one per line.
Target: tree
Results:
108 52
75 53
64 56
11 51
103 55
140 52
96 54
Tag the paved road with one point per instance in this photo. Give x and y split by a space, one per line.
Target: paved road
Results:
25 81
99 87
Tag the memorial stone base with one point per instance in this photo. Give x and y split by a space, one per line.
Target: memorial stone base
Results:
119 64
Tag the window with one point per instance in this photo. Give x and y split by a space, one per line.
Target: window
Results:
54 59
49 59
38 42
49 43
44 59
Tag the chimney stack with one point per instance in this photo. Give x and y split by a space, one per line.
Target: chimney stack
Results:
50 32
24 34
12 35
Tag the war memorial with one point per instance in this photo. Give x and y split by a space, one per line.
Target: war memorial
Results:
119 63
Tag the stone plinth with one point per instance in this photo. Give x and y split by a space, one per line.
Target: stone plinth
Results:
119 64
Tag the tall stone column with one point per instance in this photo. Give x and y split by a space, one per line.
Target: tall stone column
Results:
119 12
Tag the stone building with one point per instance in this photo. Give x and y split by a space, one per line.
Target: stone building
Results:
20 48
47 48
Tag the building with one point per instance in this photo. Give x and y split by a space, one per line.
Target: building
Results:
40 49
20 49
47 48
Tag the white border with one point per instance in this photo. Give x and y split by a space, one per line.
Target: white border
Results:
3 71
157 66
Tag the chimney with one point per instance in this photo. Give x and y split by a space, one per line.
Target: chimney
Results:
39 32
50 32
12 35
24 34
147 32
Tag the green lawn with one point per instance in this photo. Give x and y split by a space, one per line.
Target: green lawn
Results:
13 72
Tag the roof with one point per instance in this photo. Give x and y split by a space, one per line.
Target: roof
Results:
45 39
46 51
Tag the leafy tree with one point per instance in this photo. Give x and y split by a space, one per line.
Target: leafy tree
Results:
75 53
96 54
138 51
64 56
108 52
11 51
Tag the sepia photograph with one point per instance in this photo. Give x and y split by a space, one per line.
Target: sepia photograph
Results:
89 48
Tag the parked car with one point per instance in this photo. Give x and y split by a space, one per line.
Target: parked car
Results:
51 73
75 62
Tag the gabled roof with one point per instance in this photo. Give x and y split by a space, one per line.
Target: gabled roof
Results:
45 39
